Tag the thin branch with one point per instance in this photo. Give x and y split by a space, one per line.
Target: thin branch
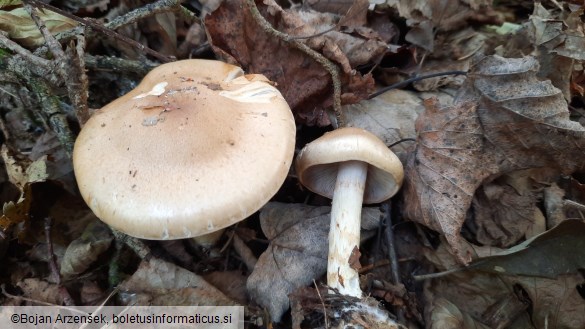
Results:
25 53
116 64
51 106
141 250
415 79
80 95
53 266
392 257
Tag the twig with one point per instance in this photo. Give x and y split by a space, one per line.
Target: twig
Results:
422 277
323 304
573 204
34 60
55 275
70 67
141 250
415 79
81 85
52 109
245 253
116 64
53 267
328 65
158 7
391 243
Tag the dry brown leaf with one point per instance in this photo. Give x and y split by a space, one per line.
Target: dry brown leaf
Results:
306 85
85 250
556 303
502 215
231 283
40 290
504 119
469 294
157 282
297 253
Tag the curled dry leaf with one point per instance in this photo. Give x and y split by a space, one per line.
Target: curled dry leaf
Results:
504 119
85 250
502 215
305 84
297 253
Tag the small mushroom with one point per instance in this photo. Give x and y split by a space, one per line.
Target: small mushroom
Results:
197 146
351 166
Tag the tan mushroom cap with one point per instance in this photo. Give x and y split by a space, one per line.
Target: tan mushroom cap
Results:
317 163
196 147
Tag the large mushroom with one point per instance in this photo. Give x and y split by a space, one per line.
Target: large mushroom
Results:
351 166
195 147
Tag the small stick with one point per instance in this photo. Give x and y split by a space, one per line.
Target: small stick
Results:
323 304
573 204
328 65
141 250
25 53
415 79
107 63
391 243
70 69
244 252
55 276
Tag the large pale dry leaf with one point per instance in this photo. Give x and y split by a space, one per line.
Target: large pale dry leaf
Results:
504 119
389 116
305 84
297 253
157 282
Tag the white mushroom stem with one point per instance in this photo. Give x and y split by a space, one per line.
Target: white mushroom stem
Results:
344 234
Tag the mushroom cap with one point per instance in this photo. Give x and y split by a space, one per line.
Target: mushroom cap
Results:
317 163
195 147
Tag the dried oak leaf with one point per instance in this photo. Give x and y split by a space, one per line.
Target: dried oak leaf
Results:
235 36
504 119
